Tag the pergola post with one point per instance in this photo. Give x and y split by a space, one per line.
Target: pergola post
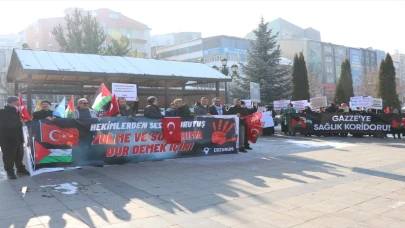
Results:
82 93
217 89
16 88
166 95
29 98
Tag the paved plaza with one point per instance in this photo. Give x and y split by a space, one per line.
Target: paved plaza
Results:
284 182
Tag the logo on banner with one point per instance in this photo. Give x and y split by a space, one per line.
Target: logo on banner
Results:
221 131
301 123
206 150
169 127
398 125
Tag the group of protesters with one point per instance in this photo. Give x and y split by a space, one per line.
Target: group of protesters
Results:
11 135
332 108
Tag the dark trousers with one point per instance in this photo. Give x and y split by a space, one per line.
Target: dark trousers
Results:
246 141
13 154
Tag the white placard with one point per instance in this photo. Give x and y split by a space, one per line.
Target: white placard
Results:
300 105
281 104
128 91
255 92
319 102
248 103
261 109
267 119
356 102
377 104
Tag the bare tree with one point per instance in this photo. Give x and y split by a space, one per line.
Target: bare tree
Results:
314 85
369 85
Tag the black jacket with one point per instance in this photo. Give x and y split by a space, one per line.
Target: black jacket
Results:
200 110
331 109
251 110
183 111
238 109
213 110
42 114
10 126
152 112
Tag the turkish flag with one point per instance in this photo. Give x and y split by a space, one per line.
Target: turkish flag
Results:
171 127
55 135
114 109
24 114
254 126
40 152
254 131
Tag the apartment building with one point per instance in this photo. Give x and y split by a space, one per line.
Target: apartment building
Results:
39 34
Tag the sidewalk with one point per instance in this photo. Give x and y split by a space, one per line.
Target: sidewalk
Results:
284 182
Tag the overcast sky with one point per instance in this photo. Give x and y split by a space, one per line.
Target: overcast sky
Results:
377 24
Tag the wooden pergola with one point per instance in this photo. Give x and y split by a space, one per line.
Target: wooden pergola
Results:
84 72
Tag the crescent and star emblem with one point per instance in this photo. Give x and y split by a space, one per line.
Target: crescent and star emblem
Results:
51 135
255 132
168 127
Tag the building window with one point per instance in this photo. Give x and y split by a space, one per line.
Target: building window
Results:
329 70
128 33
328 59
113 16
328 49
37 45
341 51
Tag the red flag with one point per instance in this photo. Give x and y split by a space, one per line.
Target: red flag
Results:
59 136
24 114
40 152
387 110
254 126
171 127
254 131
114 109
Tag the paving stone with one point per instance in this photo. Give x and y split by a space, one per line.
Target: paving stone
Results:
281 220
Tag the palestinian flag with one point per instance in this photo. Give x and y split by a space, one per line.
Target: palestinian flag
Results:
70 108
45 156
103 96
398 125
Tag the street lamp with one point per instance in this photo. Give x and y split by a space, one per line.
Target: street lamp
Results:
234 69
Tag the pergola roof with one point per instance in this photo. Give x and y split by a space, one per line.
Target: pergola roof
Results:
71 68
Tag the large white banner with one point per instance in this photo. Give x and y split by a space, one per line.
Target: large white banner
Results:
128 91
300 105
281 104
319 102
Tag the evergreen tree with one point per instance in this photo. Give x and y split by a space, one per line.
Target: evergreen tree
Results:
344 88
119 48
263 67
300 83
386 83
84 34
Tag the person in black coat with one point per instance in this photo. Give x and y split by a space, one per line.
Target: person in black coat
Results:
44 113
152 111
11 138
216 108
241 112
250 112
182 109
